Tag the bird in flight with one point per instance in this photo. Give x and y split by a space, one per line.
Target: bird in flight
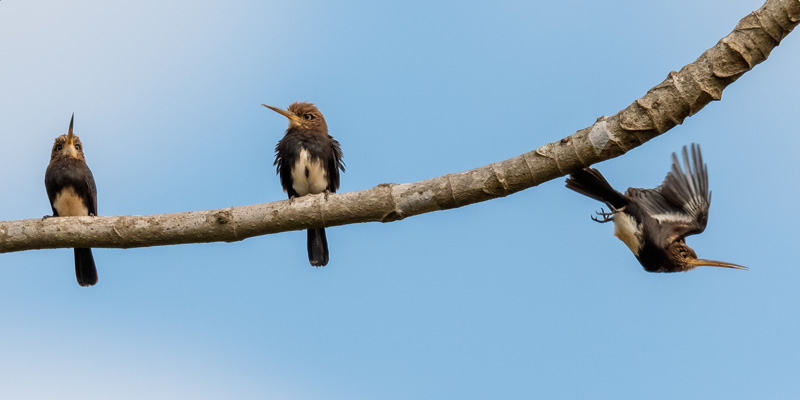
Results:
654 223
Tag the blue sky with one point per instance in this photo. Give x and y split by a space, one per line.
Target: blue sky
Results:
521 297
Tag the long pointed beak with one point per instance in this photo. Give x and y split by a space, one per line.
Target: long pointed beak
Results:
711 263
70 135
293 119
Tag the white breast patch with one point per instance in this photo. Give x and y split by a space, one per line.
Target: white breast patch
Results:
69 204
627 230
308 176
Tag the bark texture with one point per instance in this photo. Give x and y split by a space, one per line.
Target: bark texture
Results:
681 95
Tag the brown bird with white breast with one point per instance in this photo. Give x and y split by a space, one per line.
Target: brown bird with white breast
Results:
654 223
71 190
308 160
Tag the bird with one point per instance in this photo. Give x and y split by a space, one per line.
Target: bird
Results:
72 192
654 223
308 161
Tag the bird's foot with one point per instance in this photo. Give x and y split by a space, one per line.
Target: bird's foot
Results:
604 216
291 199
47 216
327 192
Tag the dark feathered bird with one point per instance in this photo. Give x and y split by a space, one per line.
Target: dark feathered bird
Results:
654 223
308 162
71 190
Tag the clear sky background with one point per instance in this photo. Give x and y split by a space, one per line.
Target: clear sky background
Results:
516 298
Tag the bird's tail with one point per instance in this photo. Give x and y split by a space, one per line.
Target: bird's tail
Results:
589 182
317 247
85 270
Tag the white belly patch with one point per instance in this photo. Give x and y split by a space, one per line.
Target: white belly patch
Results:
308 176
627 230
69 204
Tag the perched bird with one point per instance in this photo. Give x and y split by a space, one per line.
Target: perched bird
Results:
308 162
70 187
654 223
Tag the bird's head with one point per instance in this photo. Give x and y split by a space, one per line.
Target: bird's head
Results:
68 145
683 258
304 116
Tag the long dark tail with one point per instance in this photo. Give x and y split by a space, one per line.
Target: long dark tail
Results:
85 270
589 182
317 247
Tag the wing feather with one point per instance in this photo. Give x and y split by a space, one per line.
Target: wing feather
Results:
679 207
688 190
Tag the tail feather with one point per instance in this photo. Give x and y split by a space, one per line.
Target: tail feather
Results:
85 270
317 247
589 182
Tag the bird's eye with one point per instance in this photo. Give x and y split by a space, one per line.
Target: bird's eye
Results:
78 147
683 254
308 116
58 147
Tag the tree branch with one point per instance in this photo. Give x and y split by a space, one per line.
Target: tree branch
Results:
681 95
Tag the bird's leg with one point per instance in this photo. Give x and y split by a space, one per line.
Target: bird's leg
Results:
327 192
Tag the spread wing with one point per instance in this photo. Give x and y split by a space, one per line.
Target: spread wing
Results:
679 207
688 189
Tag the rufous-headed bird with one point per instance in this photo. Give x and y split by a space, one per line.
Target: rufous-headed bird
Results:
71 190
308 162
654 223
